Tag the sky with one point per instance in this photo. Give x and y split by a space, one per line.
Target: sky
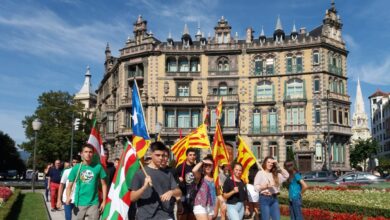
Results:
48 44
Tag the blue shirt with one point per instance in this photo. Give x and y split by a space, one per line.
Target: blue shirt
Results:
55 175
295 188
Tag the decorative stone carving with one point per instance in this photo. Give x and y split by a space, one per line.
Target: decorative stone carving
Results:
200 88
166 87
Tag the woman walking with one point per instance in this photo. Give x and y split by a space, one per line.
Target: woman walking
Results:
205 198
268 182
235 193
296 187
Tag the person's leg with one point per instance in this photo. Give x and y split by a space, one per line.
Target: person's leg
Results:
93 212
240 209
80 211
56 187
297 209
68 211
232 212
46 190
291 209
53 196
274 209
265 207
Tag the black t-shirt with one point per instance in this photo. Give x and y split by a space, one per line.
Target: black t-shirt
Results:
189 181
242 194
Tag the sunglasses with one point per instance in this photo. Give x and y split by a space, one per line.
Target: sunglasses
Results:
207 165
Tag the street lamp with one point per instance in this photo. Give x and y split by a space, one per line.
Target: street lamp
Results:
36 124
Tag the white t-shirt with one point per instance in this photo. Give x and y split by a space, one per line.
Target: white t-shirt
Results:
64 180
253 195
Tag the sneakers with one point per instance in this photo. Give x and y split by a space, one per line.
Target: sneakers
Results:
53 210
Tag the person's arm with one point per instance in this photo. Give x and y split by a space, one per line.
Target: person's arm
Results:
136 194
259 182
228 190
69 193
59 197
304 186
196 171
104 192
48 179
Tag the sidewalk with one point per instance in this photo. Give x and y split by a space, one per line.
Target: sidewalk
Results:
56 215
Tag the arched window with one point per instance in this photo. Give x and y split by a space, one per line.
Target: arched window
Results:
264 92
183 64
289 63
318 150
272 121
273 150
295 89
316 57
257 149
194 64
171 64
258 66
299 63
222 89
269 65
256 121
223 64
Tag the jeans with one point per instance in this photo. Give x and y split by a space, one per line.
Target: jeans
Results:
295 209
269 207
68 211
236 211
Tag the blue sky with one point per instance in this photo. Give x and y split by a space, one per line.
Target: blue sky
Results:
46 45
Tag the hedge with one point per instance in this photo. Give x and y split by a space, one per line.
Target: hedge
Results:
6 209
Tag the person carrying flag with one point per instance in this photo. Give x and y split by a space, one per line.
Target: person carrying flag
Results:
156 191
87 176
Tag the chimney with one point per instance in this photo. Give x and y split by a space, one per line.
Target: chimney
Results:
302 30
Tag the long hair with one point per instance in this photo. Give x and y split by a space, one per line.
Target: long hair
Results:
291 169
273 170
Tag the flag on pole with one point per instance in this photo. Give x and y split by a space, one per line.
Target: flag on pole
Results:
206 116
141 139
118 200
196 139
245 157
218 111
220 154
96 141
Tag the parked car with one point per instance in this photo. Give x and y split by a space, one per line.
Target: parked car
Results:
41 176
358 178
319 176
3 175
29 174
12 175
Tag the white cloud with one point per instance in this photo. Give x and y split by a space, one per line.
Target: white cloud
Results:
374 73
11 123
350 41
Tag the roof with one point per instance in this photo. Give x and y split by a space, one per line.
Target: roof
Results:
378 92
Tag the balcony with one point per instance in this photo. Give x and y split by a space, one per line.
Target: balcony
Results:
126 131
217 72
335 70
110 108
183 74
295 97
263 130
135 74
264 100
182 100
339 129
225 98
293 129
225 130
339 97
175 131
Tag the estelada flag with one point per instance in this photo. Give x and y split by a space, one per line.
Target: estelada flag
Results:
196 139
141 139
245 157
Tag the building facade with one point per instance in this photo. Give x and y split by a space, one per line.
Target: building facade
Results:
277 91
380 121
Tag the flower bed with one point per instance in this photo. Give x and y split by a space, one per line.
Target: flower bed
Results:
5 193
360 202
346 187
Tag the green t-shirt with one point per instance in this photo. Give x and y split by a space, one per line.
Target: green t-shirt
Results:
87 183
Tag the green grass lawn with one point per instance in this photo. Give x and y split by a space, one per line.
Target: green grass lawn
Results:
29 206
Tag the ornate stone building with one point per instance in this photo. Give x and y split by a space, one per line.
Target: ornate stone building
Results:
360 128
275 89
86 95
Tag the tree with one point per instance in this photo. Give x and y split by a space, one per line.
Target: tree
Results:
362 151
9 156
55 110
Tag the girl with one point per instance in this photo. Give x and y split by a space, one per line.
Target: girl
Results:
235 194
206 197
296 187
268 182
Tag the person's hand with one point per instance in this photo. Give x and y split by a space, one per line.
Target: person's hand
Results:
102 205
181 179
166 196
59 204
235 189
68 201
148 181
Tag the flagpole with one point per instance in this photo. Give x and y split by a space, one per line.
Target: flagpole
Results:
140 164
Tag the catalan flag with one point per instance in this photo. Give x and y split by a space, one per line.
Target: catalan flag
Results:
196 139
220 154
218 111
141 139
245 157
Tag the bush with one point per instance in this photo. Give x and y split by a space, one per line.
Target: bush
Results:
6 209
5 193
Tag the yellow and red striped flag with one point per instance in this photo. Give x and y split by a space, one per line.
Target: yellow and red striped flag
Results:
218 110
220 154
196 139
245 157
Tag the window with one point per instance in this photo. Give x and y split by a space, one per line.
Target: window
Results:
316 85
225 38
316 58
295 89
183 64
299 64
183 90
272 121
318 153
135 70
295 115
231 119
222 89
223 64
171 64
294 64
318 116
128 118
256 121
270 66
110 123
220 38
258 66
183 119
340 117
273 150
257 149
213 118
334 116
195 116
264 91
170 119
341 87
194 64
289 64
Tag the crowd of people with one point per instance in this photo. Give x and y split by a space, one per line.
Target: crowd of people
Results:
191 187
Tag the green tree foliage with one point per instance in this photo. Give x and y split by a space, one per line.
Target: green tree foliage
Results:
290 154
362 151
9 156
55 110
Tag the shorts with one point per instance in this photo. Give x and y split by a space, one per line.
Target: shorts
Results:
198 209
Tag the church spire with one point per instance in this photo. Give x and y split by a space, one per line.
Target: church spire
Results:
87 86
359 102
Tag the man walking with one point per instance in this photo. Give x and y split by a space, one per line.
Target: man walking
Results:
87 176
155 193
54 178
